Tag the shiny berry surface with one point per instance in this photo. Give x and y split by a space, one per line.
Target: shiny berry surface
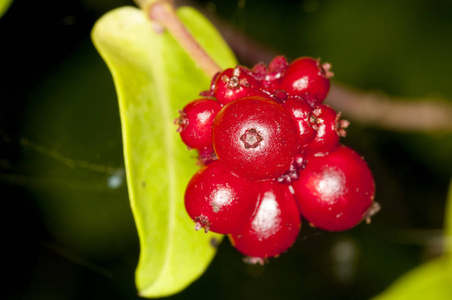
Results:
307 75
217 200
335 191
274 226
327 126
234 83
301 111
255 137
269 78
195 122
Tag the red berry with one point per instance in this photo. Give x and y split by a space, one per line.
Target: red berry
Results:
218 200
195 122
234 83
270 78
277 67
301 112
307 76
274 226
335 191
255 137
329 128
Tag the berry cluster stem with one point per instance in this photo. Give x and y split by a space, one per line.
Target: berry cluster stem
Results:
164 14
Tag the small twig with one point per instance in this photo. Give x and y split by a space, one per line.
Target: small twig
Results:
380 110
164 14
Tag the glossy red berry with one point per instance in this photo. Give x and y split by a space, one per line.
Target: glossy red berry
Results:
329 128
269 78
255 137
234 83
307 75
274 226
195 122
335 191
301 112
218 200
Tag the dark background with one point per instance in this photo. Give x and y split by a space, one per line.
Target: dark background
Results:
67 228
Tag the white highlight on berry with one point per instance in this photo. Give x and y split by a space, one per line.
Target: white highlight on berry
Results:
203 117
267 216
222 197
301 84
331 185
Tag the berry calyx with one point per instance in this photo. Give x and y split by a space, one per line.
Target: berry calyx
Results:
334 192
329 128
307 76
255 137
274 226
195 122
218 200
270 77
301 112
206 156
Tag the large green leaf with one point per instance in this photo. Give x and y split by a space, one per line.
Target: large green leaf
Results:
4 5
429 281
154 78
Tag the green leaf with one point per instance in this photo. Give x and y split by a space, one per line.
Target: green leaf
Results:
432 280
4 5
155 78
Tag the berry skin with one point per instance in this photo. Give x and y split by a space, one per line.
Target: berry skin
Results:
328 127
270 78
301 112
334 192
234 83
255 137
218 200
274 226
307 76
195 122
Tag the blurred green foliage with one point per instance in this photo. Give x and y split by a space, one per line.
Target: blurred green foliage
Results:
4 5
67 224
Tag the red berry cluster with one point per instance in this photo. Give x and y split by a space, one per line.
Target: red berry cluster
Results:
270 152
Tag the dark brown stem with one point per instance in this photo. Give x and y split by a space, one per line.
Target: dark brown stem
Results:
164 14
